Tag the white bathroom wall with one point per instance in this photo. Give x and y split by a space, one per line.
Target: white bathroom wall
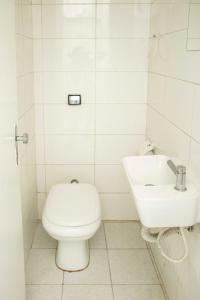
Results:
26 119
99 50
173 125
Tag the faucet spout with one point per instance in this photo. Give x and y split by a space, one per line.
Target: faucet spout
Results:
172 166
180 172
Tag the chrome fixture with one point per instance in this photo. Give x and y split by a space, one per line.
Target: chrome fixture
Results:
19 138
22 138
180 172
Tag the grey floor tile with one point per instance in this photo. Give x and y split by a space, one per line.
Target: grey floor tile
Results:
138 292
98 240
41 267
42 240
96 273
43 292
132 267
87 292
123 235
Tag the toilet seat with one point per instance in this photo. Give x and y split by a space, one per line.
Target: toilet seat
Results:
69 232
72 205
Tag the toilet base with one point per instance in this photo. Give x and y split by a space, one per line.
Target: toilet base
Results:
72 255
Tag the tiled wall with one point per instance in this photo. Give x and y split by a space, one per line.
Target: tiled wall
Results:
99 50
173 124
26 118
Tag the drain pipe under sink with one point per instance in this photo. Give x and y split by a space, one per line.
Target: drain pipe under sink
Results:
156 237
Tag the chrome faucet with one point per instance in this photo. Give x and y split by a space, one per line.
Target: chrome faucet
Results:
180 172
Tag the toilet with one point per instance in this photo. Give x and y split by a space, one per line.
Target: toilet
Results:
72 215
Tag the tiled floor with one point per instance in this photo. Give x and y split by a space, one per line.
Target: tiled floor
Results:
120 268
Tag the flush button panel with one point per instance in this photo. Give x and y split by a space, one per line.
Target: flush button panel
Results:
74 99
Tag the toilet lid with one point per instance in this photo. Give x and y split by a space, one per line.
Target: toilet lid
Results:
72 205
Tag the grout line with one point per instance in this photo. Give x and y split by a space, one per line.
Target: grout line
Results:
91 3
62 286
171 122
163 35
46 248
41 284
42 106
90 71
107 254
157 271
172 77
32 243
121 221
93 103
95 94
98 134
32 106
88 284
93 38
99 248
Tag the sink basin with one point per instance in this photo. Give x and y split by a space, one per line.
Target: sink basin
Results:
157 202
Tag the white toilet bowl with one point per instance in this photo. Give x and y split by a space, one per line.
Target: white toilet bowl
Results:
72 215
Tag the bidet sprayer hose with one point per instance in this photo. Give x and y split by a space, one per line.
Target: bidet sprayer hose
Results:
156 238
173 260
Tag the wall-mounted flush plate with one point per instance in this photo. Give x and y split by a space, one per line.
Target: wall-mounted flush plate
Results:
74 99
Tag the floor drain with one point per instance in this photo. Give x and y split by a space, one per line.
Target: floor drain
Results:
149 184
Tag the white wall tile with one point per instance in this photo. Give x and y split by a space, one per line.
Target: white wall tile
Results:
122 21
196 123
36 1
69 149
19 55
38 87
175 102
119 118
125 1
71 56
122 54
37 55
25 93
18 18
68 54
68 21
174 94
164 17
57 86
65 173
156 89
39 119
195 158
110 149
27 24
27 55
194 21
111 179
41 178
169 57
41 198
37 21
118 207
121 87
63 118
167 137
67 1
40 149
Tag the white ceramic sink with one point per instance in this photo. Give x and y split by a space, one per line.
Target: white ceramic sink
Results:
157 202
